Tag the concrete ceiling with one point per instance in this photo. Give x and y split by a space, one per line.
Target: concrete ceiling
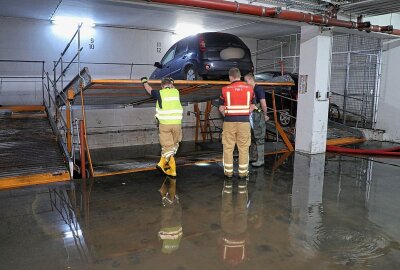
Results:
347 7
141 14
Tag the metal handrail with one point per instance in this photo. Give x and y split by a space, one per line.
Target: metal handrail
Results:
53 85
52 101
348 96
291 99
68 65
67 47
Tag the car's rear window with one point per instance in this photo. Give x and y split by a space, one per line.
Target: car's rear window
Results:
221 39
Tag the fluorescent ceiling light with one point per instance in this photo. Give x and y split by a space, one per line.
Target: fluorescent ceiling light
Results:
73 21
67 26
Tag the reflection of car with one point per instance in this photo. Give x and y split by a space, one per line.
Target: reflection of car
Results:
286 98
204 56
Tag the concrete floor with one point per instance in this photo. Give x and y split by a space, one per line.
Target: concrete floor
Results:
299 212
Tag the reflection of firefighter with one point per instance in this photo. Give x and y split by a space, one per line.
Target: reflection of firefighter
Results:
256 207
234 224
171 217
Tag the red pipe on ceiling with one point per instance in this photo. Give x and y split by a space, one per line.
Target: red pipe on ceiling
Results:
278 13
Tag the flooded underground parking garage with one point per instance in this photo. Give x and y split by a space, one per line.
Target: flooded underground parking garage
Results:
199 135
299 212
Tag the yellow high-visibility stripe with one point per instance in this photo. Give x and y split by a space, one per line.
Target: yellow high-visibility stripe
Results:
171 98
169 117
169 111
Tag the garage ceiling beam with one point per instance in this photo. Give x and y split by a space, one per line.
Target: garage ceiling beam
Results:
278 13
371 7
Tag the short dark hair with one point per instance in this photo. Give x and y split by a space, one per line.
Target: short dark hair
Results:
166 81
234 72
250 75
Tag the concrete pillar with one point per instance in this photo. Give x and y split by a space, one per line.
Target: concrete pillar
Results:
313 97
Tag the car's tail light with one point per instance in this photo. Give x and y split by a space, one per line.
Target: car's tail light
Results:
202 44
207 66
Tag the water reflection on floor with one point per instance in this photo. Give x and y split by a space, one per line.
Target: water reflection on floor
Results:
299 212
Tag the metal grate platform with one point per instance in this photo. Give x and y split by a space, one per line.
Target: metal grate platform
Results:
29 153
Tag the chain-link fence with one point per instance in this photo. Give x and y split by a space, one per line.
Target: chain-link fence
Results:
355 73
275 54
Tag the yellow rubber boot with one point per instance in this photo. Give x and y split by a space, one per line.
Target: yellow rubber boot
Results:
172 170
162 165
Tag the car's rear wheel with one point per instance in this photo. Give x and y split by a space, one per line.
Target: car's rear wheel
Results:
191 74
284 118
334 112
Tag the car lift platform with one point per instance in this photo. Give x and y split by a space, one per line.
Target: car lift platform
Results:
131 92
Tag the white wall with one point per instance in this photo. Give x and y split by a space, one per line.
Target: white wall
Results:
389 100
252 44
25 39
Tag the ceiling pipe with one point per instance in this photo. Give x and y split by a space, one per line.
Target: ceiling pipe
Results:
278 13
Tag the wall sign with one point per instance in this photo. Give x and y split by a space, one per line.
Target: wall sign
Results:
91 44
158 47
303 84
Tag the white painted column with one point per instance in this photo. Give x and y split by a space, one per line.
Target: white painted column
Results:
314 81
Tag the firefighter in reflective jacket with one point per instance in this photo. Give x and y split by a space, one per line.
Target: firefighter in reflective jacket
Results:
169 113
236 104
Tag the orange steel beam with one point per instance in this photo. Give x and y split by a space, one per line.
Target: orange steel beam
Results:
100 86
278 126
23 108
68 120
83 127
203 134
345 141
203 129
114 95
70 98
21 116
182 82
207 119
34 179
82 149
188 89
197 113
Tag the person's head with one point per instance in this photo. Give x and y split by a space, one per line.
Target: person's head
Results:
167 82
249 78
234 74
